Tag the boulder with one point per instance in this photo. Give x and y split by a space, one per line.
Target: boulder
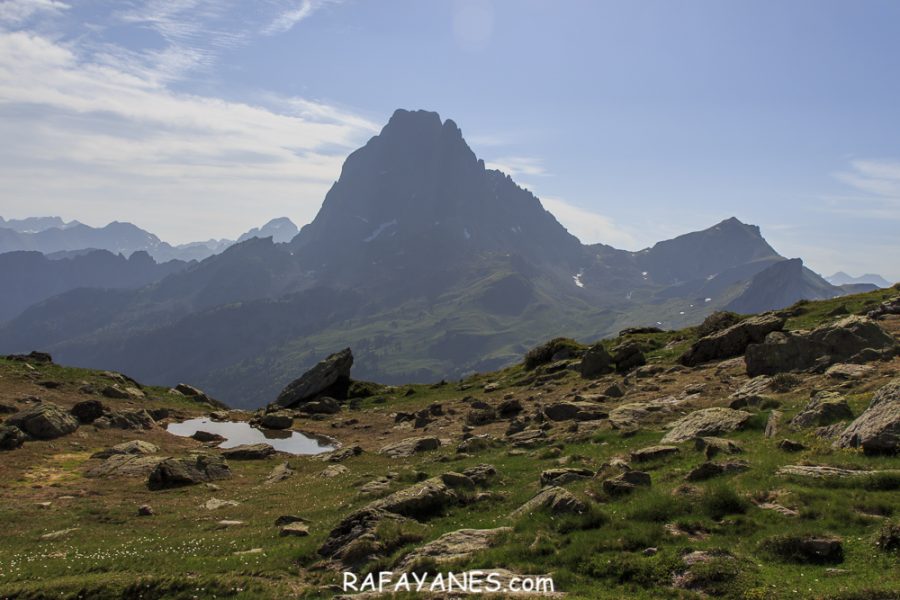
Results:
296 529
706 422
131 419
279 473
786 445
595 362
528 438
332 471
711 446
451 547
579 411
410 446
476 443
773 423
134 447
189 470
88 411
277 420
509 408
626 482
355 541
125 465
555 500
852 339
716 322
806 549
824 408
653 453
11 437
44 421
322 406
708 470
822 471
614 391
731 341
7 409
341 454
848 371
330 377
627 356
481 416
249 452
481 474
562 476
877 429
426 498
207 437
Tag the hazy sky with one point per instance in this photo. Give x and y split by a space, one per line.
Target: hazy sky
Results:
632 121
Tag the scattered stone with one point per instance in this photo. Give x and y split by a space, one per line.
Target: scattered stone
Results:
216 504
323 406
249 452
145 510
329 377
712 446
287 519
481 474
509 408
134 447
877 429
481 416
579 411
731 341
226 523
706 422
790 446
410 446
190 470
555 500
334 471
44 421
451 547
55 535
562 476
296 529
279 473
340 454
788 512
773 423
708 470
848 371
32 357
851 339
11 437
821 471
476 443
824 408
806 549
528 438
596 361
653 453
125 465
614 391
626 482
130 419
7 409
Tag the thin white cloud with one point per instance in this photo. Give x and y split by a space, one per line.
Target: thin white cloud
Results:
879 182
588 226
16 12
293 14
516 166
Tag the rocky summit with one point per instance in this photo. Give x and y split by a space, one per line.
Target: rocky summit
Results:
648 464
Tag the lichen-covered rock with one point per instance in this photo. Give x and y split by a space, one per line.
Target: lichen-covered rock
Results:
249 452
564 475
877 429
653 453
579 411
453 546
824 408
11 437
189 470
596 361
731 341
555 500
706 422
409 446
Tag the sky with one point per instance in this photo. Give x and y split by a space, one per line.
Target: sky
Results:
633 122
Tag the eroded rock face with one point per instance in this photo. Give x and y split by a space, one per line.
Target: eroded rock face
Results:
44 421
189 470
731 341
453 546
323 379
852 339
877 429
706 422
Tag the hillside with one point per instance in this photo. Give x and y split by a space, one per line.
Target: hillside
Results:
635 502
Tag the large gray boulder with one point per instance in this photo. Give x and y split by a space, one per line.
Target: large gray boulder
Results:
852 339
44 421
877 429
824 408
189 470
731 341
330 377
706 422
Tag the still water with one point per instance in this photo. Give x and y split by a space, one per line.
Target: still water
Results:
237 433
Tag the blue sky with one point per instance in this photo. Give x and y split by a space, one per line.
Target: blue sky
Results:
632 121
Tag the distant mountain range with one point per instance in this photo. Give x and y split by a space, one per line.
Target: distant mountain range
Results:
51 235
425 262
841 278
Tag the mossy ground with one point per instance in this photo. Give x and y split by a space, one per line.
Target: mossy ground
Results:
180 552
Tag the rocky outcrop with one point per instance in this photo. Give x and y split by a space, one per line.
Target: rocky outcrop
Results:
189 470
706 422
877 429
409 446
731 341
453 546
44 421
852 339
331 377
628 356
824 408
